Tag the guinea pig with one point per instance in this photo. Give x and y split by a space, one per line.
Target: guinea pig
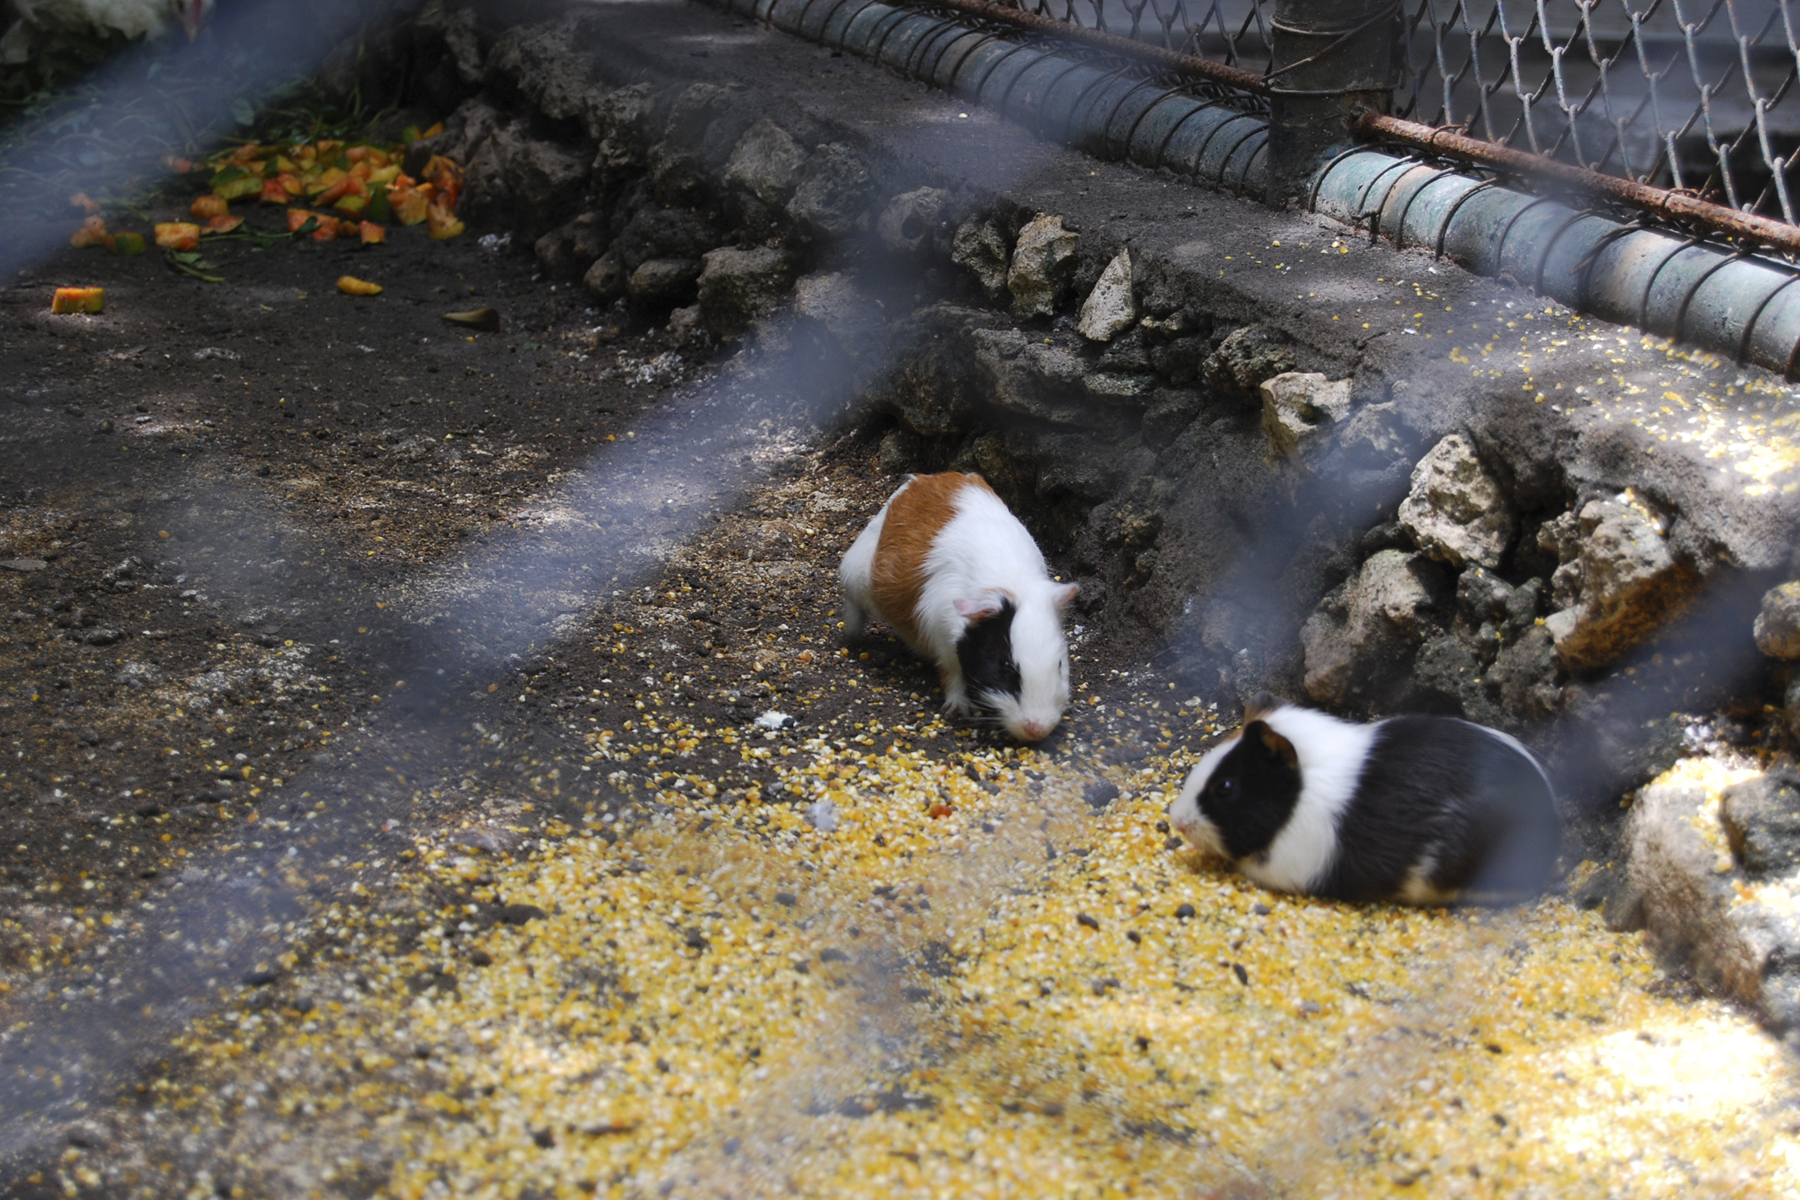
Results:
948 567
1417 809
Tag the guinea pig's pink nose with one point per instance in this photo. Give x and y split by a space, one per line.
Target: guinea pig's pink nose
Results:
1034 730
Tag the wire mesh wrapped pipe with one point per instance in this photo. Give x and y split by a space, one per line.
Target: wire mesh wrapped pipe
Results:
1716 298
1106 107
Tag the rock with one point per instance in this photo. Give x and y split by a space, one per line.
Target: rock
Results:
1482 597
686 330
740 286
569 250
1682 886
766 163
665 232
899 451
1629 584
1298 406
664 280
980 248
23 564
1446 669
1778 624
831 192
1109 309
1523 675
1042 260
1168 412
910 219
1762 822
606 280
1246 358
931 384
1456 511
545 182
1385 614
1181 360
834 301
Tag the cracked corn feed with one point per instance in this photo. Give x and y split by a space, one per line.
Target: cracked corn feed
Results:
718 999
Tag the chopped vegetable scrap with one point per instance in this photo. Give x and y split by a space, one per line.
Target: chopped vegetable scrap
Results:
178 235
485 319
78 300
350 285
355 191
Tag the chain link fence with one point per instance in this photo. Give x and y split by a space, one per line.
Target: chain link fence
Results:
1701 96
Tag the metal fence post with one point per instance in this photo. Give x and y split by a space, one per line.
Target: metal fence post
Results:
1331 59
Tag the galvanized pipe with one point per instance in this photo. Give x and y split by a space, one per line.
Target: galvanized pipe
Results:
1090 104
1657 281
1733 303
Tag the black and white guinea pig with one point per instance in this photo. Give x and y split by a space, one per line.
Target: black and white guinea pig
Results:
1417 809
948 567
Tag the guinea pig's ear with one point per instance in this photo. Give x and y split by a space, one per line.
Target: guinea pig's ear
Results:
1062 595
981 607
1258 734
1260 706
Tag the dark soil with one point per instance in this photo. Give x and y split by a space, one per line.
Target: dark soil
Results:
290 574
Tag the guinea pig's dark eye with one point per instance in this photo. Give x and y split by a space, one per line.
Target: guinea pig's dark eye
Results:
1227 787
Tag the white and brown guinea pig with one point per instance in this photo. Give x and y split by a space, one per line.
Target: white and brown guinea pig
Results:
948 567
1418 809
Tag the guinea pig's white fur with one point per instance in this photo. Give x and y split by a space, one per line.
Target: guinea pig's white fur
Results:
967 555
1331 754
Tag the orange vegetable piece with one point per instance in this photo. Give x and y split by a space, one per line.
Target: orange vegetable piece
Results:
356 153
78 300
371 233
207 207
223 224
346 228
445 175
85 202
433 131
296 217
273 192
352 204
441 222
178 235
350 285
181 166
409 206
92 233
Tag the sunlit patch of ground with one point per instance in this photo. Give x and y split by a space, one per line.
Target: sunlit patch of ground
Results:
999 999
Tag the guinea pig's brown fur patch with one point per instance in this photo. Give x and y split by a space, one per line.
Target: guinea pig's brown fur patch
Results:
914 517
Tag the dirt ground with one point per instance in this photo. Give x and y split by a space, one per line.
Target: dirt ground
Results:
287 574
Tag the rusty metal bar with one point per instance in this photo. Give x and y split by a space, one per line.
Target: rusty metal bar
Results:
1674 206
1168 60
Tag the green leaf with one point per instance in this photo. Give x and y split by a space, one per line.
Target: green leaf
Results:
379 210
242 113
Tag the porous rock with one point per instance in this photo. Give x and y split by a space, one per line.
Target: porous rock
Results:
1245 358
664 280
1778 624
1629 584
607 279
1455 510
980 248
1109 309
931 384
739 286
1043 257
766 163
1762 822
1683 887
831 191
547 182
907 223
1361 636
835 302
1299 405
656 231
567 251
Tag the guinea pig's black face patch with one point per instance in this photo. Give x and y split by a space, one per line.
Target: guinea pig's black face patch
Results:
985 652
1252 792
